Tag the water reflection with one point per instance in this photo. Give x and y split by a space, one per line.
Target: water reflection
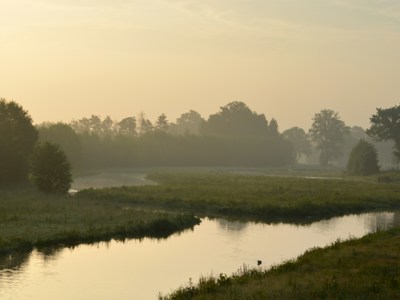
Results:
13 262
382 221
139 269
232 226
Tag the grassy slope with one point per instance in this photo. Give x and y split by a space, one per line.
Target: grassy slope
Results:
256 197
29 218
368 268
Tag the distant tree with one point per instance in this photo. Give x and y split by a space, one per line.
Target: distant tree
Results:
87 125
328 131
108 127
188 123
363 159
236 119
162 123
50 169
127 126
17 140
298 138
64 136
385 125
273 128
144 124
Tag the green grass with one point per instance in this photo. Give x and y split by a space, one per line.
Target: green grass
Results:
31 219
368 268
256 197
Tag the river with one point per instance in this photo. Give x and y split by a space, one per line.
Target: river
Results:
140 269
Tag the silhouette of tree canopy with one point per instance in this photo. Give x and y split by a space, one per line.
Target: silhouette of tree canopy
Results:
363 159
127 126
95 125
162 123
17 140
385 125
50 169
64 136
273 128
236 119
188 123
298 138
328 131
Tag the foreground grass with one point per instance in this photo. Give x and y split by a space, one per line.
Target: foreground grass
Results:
30 219
256 197
368 268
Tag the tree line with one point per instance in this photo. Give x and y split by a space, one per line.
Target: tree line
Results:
233 136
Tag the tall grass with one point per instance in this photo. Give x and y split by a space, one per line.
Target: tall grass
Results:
29 218
256 197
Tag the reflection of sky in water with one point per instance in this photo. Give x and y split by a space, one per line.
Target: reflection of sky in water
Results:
140 269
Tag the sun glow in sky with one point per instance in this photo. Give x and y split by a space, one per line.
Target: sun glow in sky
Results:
288 59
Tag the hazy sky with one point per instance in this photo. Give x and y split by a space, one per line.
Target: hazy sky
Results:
65 59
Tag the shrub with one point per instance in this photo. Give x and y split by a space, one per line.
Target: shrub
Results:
50 169
363 159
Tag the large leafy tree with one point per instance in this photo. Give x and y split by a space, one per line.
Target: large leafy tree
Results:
328 131
50 169
236 119
17 140
188 123
363 159
385 125
127 126
298 138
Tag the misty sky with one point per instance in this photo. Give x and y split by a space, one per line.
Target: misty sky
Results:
65 59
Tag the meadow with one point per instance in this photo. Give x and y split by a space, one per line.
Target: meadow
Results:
255 197
31 219
367 268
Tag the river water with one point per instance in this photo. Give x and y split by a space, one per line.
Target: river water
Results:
140 269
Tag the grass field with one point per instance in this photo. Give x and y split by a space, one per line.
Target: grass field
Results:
368 268
31 219
256 197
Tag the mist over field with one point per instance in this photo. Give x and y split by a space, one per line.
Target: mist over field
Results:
199 149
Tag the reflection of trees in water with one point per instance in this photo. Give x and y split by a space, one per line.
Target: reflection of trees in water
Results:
383 221
326 225
50 253
396 219
232 226
13 262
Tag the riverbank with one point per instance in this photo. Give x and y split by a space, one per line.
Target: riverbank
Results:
31 219
366 268
256 197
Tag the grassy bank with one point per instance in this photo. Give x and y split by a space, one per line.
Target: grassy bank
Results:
30 219
256 197
368 268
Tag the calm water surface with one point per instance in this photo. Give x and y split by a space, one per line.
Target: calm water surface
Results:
141 269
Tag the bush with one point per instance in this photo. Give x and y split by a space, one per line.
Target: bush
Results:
363 159
50 169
